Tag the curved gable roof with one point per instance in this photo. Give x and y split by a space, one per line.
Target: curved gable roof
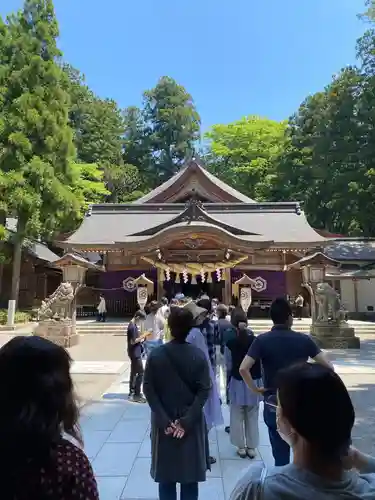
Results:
178 185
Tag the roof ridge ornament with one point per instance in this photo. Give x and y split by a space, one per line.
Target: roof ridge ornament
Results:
193 208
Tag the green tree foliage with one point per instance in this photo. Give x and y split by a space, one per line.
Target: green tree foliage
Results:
88 185
136 141
243 154
35 139
125 185
329 158
100 134
172 125
321 161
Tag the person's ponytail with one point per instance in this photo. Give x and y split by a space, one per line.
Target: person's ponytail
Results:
243 334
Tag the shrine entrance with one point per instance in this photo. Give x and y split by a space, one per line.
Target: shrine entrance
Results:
194 288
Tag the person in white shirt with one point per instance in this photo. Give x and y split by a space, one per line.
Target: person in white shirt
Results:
164 309
154 324
102 309
299 306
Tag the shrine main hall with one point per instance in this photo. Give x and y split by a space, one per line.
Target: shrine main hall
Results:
194 234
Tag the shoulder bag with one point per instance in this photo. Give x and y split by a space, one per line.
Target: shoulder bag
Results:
178 371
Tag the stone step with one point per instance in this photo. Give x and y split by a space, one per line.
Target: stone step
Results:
257 326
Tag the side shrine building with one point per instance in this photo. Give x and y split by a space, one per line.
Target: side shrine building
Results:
194 234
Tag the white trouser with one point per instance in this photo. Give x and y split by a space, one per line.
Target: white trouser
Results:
244 431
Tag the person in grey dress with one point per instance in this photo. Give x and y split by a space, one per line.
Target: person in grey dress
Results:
244 403
315 416
177 385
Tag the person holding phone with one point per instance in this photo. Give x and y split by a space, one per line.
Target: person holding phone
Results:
135 350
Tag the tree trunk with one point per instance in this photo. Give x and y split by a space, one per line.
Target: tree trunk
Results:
17 257
2 256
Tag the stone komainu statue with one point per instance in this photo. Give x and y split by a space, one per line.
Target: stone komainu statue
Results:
329 304
57 305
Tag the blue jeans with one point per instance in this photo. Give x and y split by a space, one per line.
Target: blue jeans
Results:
152 344
280 449
168 491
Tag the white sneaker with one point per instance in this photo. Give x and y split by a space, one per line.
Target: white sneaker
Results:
251 453
241 452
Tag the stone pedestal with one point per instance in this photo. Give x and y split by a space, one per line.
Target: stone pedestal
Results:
59 332
334 336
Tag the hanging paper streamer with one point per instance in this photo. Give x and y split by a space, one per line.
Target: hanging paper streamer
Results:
203 275
168 274
218 274
193 280
185 276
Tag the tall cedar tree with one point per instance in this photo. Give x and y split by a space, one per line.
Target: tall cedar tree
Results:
321 162
99 126
35 139
172 127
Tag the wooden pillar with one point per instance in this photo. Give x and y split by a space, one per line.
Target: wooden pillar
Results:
1 277
355 284
45 285
227 298
160 285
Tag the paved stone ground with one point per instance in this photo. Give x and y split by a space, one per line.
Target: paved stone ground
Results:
117 434
357 369
117 441
97 362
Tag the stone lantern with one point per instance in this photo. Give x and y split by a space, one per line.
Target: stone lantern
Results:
329 327
57 314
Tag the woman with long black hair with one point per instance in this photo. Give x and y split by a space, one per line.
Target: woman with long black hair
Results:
244 403
38 409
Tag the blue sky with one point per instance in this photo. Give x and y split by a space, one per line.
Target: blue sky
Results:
236 57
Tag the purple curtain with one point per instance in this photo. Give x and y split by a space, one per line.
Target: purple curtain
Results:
114 279
275 281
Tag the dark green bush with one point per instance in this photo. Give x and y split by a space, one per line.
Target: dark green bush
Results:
20 317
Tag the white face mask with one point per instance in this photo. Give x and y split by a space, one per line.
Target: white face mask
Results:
284 429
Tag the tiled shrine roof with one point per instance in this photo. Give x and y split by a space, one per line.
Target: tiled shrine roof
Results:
351 249
34 248
108 224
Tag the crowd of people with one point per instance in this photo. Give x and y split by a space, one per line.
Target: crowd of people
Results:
307 409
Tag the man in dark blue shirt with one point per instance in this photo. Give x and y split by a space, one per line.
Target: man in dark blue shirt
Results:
277 349
135 355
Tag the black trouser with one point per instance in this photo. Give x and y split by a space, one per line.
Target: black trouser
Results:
101 316
167 491
299 312
136 376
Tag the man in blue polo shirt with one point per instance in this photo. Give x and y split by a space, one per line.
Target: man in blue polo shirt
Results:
277 349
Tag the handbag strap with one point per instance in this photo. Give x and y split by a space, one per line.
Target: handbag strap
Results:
178 370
